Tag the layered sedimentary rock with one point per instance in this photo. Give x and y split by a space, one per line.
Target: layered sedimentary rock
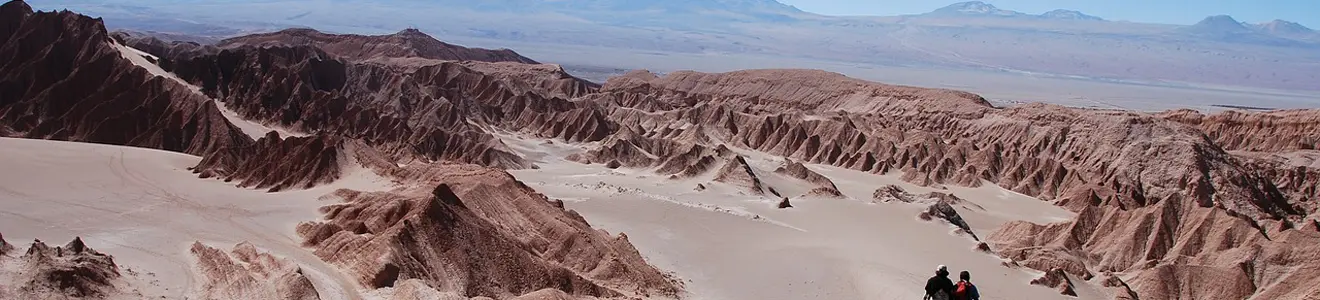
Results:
246 273
62 77
5 247
737 173
1058 279
276 163
478 232
1273 131
822 186
891 193
437 112
676 158
72 271
550 80
409 43
938 206
1165 179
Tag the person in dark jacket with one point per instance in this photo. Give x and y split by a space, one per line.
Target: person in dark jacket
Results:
965 279
939 287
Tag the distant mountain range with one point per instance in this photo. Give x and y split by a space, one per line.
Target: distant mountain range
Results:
982 9
1220 27
1226 28
972 35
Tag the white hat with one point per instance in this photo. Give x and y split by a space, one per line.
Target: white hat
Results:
941 268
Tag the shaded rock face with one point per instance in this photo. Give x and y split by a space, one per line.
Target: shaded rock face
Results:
408 43
73 271
823 185
436 112
737 173
783 203
277 164
946 212
479 232
1273 131
1058 279
246 273
1194 282
1123 291
77 86
5 247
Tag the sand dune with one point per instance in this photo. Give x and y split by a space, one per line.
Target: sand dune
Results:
145 208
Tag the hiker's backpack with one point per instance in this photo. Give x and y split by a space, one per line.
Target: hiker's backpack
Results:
962 291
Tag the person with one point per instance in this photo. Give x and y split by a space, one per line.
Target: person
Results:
965 290
939 287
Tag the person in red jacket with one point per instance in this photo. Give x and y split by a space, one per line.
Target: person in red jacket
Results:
965 290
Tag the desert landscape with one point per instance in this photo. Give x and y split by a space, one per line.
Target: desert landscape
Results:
302 164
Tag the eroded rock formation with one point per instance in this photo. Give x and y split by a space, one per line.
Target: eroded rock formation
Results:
5 247
738 173
72 271
479 232
49 61
822 186
435 112
276 163
1058 279
246 273
1167 179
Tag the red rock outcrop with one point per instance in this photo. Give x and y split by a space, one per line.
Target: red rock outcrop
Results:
277 164
550 80
73 271
246 273
891 193
409 43
1122 290
823 186
62 77
738 173
1273 131
479 232
437 112
1058 279
5 247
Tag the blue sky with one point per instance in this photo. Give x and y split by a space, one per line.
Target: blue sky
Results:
1306 12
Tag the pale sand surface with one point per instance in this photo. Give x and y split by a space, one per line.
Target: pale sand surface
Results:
727 245
145 208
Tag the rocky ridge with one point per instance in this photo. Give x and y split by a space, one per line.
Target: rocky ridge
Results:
246 273
72 271
823 185
409 43
464 226
42 94
435 112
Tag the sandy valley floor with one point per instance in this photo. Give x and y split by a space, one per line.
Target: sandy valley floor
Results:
728 245
145 208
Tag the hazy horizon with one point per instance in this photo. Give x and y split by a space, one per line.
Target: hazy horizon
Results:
1215 63
1155 12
